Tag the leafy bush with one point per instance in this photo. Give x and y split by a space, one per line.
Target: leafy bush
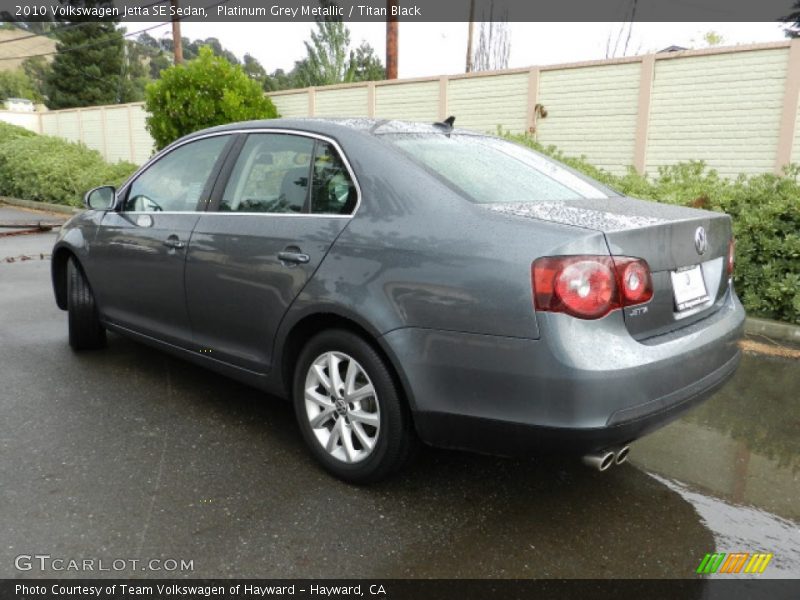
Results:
51 169
766 222
204 92
9 131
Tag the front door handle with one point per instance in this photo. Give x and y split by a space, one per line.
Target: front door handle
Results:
297 258
173 242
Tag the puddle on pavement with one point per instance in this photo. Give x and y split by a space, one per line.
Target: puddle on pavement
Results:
736 459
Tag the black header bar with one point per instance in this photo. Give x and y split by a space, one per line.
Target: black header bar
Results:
407 10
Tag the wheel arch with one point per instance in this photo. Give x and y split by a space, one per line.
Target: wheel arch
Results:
58 272
306 327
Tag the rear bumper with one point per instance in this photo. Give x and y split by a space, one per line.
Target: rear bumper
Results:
520 439
583 386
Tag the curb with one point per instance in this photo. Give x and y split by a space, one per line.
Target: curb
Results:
59 208
772 329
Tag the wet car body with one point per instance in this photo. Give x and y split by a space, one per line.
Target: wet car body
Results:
440 285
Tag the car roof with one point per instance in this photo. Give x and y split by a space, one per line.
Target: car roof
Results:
335 127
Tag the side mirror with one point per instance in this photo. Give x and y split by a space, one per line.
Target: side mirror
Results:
100 198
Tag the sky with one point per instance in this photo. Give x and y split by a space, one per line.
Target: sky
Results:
429 49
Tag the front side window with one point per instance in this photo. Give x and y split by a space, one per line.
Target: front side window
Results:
290 174
175 182
488 170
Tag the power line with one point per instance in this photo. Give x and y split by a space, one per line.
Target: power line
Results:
44 34
81 47
63 27
102 42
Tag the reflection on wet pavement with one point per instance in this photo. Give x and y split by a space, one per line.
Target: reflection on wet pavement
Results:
736 459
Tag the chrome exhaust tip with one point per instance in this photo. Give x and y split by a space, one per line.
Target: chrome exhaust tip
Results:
622 455
599 460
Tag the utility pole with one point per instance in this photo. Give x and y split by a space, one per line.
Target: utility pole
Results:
391 40
177 43
470 34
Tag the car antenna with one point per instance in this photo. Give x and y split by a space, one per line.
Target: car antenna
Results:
446 124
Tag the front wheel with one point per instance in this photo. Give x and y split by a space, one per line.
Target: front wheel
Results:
349 408
85 330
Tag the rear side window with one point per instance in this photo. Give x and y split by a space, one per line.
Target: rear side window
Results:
333 191
285 173
175 183
271 175
488 170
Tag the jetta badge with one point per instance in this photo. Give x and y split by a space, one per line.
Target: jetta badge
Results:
700 240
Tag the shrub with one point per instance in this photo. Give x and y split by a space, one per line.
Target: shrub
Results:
766 221
51 169
204 92
9 131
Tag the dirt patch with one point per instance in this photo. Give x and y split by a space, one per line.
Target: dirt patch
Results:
769 347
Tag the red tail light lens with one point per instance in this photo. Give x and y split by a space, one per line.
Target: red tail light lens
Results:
635 282
731 252
589 287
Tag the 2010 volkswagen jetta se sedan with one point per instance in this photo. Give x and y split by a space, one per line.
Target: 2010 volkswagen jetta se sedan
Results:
403 282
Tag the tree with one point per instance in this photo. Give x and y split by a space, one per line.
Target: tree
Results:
17 84
254 70
216 48
37 70
792 29
279 80
330 60
712 38
494 45
158 63
327 61
87 69
368 66
628 22
135 72
201 93
148 41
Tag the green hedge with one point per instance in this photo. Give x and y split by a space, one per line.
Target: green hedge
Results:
50 169
766 222
8 131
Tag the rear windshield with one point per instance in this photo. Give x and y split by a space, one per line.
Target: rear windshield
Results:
489 170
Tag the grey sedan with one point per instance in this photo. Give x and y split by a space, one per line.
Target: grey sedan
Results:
405 282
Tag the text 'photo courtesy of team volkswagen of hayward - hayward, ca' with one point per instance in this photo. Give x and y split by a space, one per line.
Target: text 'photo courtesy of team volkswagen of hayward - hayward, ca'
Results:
387 299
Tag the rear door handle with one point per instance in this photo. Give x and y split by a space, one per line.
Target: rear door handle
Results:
173 242
297 258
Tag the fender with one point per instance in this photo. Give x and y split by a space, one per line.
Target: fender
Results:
299 311
72 240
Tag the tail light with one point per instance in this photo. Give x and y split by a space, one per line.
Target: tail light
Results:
589 287
731 252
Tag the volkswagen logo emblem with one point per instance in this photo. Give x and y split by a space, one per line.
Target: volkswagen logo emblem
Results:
700 240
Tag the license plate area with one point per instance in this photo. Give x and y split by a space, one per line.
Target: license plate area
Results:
688 287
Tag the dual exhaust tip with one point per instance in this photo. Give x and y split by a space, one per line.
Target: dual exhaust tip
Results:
603 459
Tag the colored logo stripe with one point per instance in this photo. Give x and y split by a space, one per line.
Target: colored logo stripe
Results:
717 562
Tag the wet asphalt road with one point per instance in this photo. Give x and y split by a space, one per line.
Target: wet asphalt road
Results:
128 453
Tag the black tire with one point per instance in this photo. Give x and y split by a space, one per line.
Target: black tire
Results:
396 440
85 330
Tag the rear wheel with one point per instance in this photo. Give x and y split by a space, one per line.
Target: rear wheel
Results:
349 408
85 330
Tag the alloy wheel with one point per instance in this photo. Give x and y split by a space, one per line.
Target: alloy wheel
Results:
342 407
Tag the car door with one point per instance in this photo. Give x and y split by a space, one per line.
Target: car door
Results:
272 221
139 253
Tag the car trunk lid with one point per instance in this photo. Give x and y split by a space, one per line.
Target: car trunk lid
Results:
685 248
